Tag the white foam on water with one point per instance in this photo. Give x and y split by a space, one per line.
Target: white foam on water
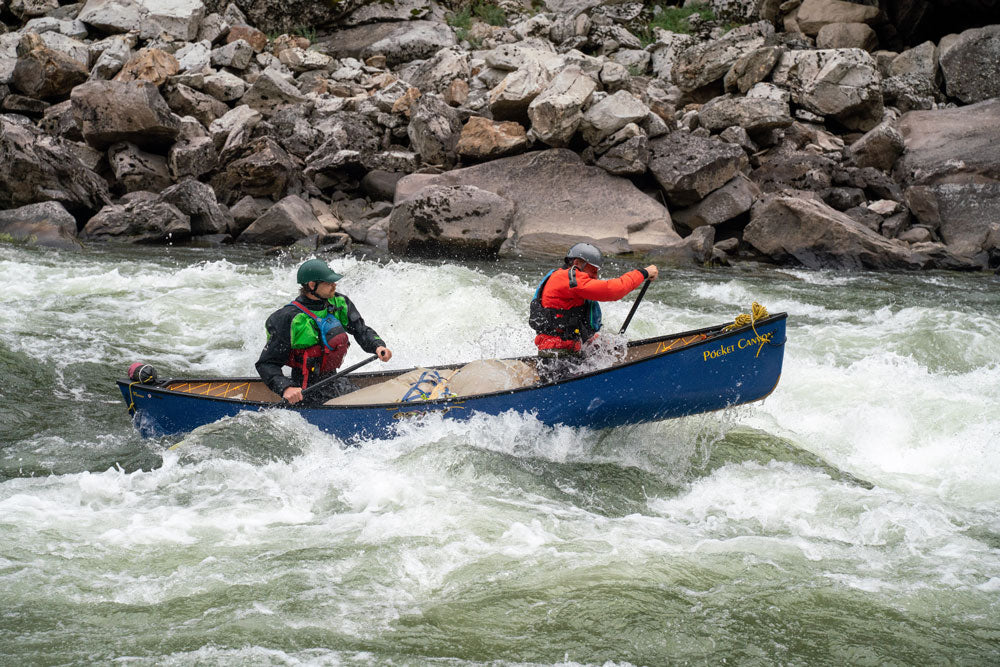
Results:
357 538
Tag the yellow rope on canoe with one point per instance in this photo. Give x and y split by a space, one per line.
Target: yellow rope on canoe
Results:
757 312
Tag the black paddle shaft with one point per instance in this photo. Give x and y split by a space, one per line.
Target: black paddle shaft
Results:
635 305
340 374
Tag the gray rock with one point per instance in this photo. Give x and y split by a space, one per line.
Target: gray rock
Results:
880 147
192 158
754 114
260 168
236 55
556 113
450 221
511 98
434 130
966 215
628 158
730 201
288 221
813 15
112 111
44 73
136 169
703 63
238 122
116 51
381 185
194 57
752 68
46 224
39 168
411 40
847 36
561 201
842 84
953 145
271 91
224 86
142 219
971 64
611 114
186 101
197 201
689 167
808 232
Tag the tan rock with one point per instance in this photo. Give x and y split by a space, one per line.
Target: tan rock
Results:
484 139
149 64
814 14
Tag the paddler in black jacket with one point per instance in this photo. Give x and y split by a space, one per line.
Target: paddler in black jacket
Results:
310 336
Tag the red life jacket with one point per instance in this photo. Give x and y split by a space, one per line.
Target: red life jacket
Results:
325 356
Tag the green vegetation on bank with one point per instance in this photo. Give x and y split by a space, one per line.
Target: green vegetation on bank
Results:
487 12
674 19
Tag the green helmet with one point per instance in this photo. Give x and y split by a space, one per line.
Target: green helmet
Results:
316 270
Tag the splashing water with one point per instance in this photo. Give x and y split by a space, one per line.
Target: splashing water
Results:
851 518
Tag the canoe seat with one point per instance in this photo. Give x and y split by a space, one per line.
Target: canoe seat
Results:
477 377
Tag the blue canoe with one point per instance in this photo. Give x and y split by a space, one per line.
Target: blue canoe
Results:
659 378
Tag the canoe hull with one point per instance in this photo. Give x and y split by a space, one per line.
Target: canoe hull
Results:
724 370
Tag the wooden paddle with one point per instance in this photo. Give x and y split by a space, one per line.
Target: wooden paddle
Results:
342 373
635 305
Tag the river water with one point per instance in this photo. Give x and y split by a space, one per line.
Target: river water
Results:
853 517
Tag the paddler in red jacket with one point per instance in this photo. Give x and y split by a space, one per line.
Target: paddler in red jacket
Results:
565 313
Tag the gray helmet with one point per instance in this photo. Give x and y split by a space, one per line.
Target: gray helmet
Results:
586 252
316 270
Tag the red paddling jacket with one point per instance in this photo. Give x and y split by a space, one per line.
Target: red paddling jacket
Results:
564 311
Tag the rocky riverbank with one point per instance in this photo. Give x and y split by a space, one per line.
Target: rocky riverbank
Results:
784 132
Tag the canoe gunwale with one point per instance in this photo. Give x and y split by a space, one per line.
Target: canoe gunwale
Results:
161 386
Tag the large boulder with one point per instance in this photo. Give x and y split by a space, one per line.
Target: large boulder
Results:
689 167
703 63
288 221
971 64
197 201
753 114
45 223
965 215
556 113
728 202
951 145
136 169
560 201
880 147
813 15
450 221
400 41
43 73
271 91
259 168
611 114
842 84
112 111
143 218
434 129
511 97
178 19
39 168
808 232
